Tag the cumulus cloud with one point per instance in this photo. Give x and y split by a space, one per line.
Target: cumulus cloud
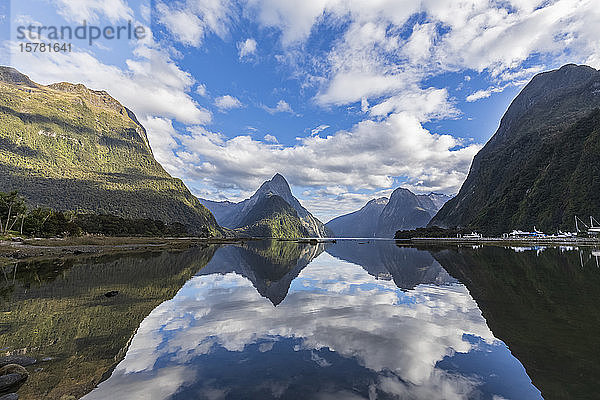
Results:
201 90
280 107
247 48
270 138
151 84
227 102
190 21
423 104
373 59
318 129
381 150
186 27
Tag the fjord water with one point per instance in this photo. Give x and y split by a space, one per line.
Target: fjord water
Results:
360 319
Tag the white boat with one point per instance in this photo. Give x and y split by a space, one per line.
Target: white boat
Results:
564 235
592 229
523 234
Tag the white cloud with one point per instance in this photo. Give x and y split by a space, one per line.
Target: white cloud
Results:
282 106
227 102
93 10
395 146
201 90
189 21
151 85
161 135
270 138
186 27
26 20
485 93
318 129
371 59
423 104
247 48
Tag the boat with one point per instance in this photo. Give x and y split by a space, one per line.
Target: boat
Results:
564 235
594 226
472 235
523 234
592 229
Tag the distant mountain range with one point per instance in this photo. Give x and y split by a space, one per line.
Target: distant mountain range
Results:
542 166
382 217
272 211
67 147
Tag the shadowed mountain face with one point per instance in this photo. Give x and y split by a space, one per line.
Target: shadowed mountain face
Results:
541 167
383 217
543 306
361 223
271 266
407 267
68 147
286 224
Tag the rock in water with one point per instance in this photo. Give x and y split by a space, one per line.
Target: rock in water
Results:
21 360
12 376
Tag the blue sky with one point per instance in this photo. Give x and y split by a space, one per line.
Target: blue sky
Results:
347 99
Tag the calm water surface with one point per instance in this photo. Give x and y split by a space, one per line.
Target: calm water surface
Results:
353 320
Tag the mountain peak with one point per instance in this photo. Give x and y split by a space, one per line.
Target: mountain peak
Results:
277 185
270 198
278 178
381 217
11 75
82 157
278 182
379 201
401 193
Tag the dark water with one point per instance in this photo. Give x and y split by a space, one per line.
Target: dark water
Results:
282 320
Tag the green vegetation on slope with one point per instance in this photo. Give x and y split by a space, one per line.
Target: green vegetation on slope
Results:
541 168
58 309
16 219
273 217
67 147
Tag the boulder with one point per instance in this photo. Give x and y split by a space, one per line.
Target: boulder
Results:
12 376
17 359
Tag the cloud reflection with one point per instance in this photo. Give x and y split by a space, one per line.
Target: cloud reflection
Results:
334 309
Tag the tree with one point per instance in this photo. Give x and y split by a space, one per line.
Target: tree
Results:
35 220
12 207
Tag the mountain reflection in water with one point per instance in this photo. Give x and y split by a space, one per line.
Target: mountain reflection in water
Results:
544 304
289 321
